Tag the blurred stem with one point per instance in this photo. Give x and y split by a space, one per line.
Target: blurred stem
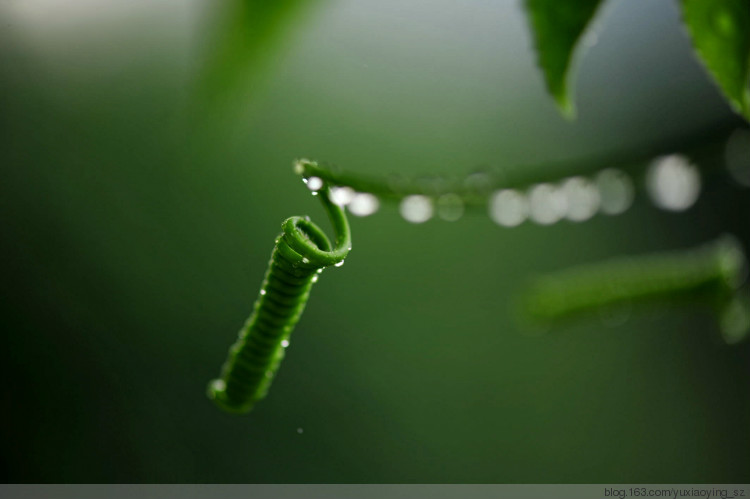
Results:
708 276
705 148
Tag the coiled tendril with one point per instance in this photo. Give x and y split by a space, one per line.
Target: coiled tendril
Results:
302 251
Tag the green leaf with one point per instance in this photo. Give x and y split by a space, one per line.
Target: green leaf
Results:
557 26
239 47
720 31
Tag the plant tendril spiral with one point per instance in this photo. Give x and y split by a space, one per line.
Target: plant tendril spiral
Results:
302 251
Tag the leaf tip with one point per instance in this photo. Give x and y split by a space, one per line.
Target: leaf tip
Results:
566 105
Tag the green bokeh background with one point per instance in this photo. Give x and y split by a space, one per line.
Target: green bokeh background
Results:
146 154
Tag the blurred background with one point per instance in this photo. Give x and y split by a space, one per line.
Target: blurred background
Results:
146 154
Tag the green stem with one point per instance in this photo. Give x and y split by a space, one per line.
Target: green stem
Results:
475 188
708 275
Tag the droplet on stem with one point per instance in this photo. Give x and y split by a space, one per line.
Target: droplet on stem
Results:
673 183
508 208
363 204
416 208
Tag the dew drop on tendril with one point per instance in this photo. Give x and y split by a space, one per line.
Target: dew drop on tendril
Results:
416 209
616 191
363 204
314 183
508 208
342 196
547 204
673 183
581 199
299 168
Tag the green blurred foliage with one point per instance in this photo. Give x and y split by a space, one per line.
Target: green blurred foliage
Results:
557 28
135 234
720 32
241 41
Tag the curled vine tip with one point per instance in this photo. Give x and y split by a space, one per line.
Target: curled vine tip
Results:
709 275
301 253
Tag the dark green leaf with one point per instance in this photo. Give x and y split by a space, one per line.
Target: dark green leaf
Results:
720 31
557 26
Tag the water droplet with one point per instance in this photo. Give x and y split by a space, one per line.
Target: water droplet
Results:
315 278
547 204
218 385
320 270
673 183
416 208
314 183
450 207
339 264
737 156
616 191
262 292
284 343
305 260
581 199
508 207
299 168
363 204
300 431
342 196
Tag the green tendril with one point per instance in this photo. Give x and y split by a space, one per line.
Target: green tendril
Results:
708 275
302 251
475 187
